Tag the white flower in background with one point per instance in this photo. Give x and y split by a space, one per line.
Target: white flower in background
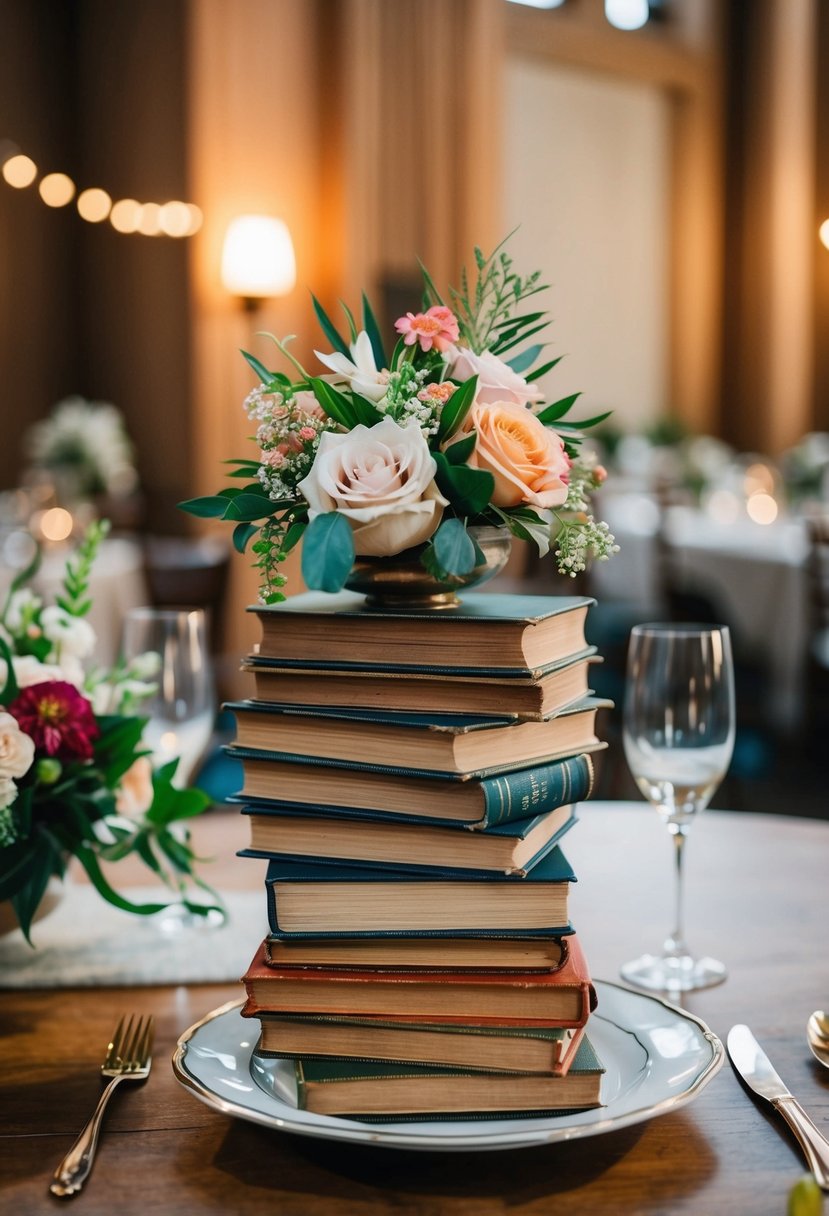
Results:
71 635
8 793
17 750
22 606
382 479
29 670
360 370
89 440
145 666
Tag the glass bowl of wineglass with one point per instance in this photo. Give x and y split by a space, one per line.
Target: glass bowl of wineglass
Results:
678 730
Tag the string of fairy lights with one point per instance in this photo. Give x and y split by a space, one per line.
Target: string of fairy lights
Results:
93 204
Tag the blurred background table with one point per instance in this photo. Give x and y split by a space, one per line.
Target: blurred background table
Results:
756 889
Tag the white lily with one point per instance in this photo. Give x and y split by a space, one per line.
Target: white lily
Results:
360 370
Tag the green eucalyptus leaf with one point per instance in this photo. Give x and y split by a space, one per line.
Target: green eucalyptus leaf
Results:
294 535
527 526
327 552
211 506
329 329
242 535
454 548
523 362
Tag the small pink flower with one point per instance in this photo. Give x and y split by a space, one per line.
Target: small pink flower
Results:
599 474
274 458
307 432
437 327
437 392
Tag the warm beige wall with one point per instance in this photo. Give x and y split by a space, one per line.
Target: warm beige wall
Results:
586 177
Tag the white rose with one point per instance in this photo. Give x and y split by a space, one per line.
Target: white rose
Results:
28 670
17 751
72 634
496 379
145 666
8 793
382 479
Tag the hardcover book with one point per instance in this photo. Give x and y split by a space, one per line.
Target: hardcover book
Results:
437 743
509 848
346 901
474 801
562 997
386 1091
519 1049
531 696
489 632
422 953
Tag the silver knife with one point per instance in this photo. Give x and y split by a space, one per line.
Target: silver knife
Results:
754 1066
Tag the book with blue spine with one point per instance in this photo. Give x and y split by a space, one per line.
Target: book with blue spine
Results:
313 900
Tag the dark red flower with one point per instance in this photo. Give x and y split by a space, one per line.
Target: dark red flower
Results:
58 718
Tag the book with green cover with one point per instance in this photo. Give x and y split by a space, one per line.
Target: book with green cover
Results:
366 840
483 632
475 800
386 1091
420 742
346 901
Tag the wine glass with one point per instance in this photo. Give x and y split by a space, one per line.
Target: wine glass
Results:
678 738
181 711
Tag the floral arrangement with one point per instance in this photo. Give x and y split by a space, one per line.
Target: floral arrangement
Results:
86 444
75 780
385 454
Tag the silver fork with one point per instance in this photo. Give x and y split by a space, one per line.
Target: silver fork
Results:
128 1058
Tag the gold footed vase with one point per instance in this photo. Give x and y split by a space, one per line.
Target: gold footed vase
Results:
401 584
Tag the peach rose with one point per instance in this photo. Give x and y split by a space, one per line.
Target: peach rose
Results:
134 795
526 459
496 379
381 478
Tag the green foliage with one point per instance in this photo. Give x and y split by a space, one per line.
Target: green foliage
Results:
75 598
454 548
468 490
456 409
327 552
485 311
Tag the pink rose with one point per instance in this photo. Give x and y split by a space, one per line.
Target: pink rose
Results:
496 379
526 459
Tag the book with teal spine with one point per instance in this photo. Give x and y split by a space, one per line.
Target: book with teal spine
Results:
476 801
353 839
389 1092
312 900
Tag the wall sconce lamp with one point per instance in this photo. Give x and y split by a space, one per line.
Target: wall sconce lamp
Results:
823 233
257 260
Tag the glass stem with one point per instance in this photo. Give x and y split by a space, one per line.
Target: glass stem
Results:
675 945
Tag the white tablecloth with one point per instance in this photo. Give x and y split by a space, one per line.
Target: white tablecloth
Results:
753 574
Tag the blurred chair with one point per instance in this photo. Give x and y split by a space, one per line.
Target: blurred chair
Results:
189 572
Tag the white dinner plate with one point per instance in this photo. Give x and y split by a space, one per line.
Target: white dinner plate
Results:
657 1057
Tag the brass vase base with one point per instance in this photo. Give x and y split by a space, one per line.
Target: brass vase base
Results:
402 584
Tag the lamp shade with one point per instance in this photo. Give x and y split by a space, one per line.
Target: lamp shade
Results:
258 258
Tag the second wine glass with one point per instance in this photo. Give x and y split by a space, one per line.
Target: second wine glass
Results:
180 714
678 739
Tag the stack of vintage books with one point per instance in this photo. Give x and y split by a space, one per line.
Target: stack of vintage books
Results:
409 777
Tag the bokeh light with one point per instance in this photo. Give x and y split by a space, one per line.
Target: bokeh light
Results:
19 171
125 215
94 205
56 189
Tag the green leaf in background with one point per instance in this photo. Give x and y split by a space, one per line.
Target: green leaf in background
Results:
459 453
584 423
366 411
294 535
526 525
557 409
329 329
265 377
513 337
468 490
16 864
352 325
434 296
89 862
23 576
26 899
335 403
524 361
542 371
210 506
457 407
374 336
10 689
805 1198
242 535
454 548
327 552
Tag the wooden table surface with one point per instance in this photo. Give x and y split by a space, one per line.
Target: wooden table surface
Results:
758 898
